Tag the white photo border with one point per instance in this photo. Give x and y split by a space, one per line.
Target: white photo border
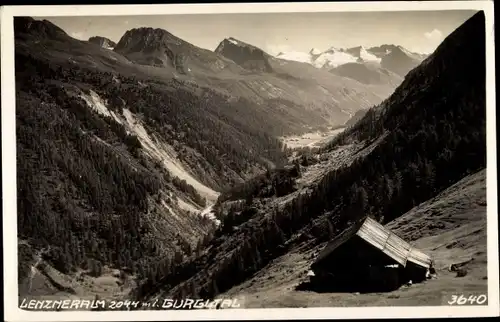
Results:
14 313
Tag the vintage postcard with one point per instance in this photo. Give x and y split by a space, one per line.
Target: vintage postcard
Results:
249 161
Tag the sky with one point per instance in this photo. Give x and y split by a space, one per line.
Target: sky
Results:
418 31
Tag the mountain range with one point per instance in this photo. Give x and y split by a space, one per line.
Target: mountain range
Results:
245 70
375 65
392 57
153 167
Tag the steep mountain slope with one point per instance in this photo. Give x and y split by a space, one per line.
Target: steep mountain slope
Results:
399 60
245 55
46 41
335 97
356 117
123 84
363 54
85 186
158 47
112 157
103 42
451 227
395 59
425 137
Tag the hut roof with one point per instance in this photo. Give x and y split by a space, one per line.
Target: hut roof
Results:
383 239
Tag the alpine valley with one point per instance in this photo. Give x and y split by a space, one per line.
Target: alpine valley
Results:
152 168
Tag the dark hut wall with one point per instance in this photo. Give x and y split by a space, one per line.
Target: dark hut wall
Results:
368 257
414 273
357 266
354 255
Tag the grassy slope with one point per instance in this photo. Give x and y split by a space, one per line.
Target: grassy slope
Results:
450 227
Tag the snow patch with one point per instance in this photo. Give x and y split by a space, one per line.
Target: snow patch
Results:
295 56
209 212
333 50
334 59
404 50
165 154
232 41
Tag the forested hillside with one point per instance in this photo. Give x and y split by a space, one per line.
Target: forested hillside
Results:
103 157
116 159
85 189
428 135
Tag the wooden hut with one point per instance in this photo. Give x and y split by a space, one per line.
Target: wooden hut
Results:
369 257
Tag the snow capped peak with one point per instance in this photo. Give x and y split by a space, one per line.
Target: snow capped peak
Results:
233 41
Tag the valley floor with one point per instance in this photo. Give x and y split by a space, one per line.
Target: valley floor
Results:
312 139
450 227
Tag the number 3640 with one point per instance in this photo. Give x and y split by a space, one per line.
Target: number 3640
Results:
470 300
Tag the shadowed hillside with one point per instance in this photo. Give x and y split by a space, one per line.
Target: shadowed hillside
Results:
123 151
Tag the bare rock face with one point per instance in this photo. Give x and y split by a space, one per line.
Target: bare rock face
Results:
155 47
245 55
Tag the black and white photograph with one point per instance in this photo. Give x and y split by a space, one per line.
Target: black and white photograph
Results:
209 160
